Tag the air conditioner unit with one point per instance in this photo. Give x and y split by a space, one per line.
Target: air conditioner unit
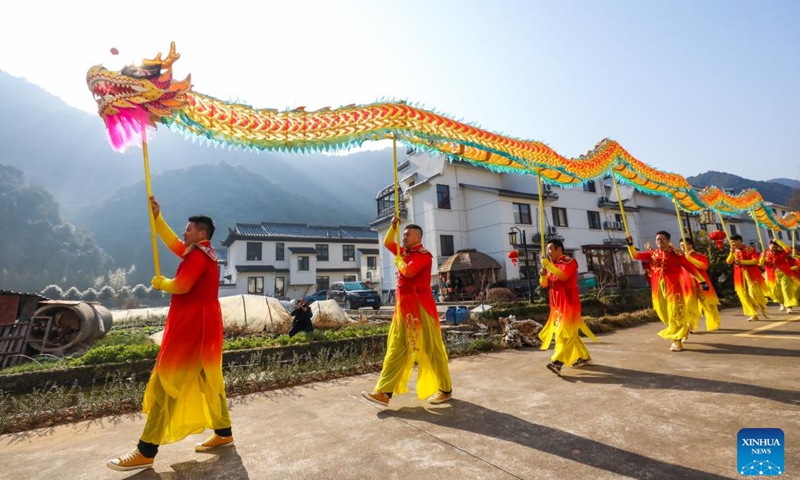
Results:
608 225
603 200
617 225
547 187
552 230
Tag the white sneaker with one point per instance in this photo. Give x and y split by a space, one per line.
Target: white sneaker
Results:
789 310
677 346
782 308
754 318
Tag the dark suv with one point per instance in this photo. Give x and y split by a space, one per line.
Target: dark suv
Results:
354 295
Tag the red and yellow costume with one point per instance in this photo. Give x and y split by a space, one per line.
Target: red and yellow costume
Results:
698 302
186 391
780 280
564 322
748 281
668 300
415 334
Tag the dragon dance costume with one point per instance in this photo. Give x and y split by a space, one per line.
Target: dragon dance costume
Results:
667 292
186 391
415 334
699 302
748 281
564 322
780 280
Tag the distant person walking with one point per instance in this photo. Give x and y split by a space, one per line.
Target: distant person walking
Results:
415 334
747 278
667 293
781 281
560 275
699 302
186 391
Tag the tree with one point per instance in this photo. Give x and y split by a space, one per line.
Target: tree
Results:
72 294
90 295
53 292
140 291
107 295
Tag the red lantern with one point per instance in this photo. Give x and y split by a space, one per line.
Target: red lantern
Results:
717 236
513 255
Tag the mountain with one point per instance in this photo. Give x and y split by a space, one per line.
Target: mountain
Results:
65 150
789 182
228 194
771 191
38 247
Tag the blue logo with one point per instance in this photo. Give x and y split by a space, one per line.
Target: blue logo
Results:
760 451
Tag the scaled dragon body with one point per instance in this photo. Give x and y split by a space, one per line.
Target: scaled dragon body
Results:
138 96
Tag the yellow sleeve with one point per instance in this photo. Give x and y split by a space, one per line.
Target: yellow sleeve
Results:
170 239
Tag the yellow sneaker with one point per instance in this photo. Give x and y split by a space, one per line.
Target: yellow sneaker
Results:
130 461
379 398
214 441
440 397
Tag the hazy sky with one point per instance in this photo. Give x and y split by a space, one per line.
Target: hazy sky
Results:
684 85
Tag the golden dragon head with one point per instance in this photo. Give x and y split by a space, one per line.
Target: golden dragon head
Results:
137 95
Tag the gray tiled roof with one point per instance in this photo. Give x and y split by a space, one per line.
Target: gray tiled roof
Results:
300 231
311 250
255 268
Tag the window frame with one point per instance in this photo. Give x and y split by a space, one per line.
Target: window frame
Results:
443 196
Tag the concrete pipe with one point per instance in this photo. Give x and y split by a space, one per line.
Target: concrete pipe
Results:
67 326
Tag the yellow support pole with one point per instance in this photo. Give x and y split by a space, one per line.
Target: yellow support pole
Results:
541 217
758 229
680 223
396 192
156 265
724 227
621 208
793 249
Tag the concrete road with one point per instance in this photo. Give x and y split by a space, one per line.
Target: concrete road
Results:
640 412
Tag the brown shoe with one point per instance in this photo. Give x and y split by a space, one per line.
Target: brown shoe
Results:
440 397
130 461
379 398
214 441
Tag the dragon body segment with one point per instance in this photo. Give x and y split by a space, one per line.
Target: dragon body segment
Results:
146 95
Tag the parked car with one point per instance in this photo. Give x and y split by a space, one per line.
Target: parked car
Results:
354 295
318 295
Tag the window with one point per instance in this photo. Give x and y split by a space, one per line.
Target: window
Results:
255 285
769 233
618 217
279 253
718 225
254 251
590 186
323 283
522 213
349 278
348 253
322 252
594 220
302 264
279 291
560 217
780 235
446 245
733 229
372 263
443 196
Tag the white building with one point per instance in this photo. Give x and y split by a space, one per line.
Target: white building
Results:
462 206
290 260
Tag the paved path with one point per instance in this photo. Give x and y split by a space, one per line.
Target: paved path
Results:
640 412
